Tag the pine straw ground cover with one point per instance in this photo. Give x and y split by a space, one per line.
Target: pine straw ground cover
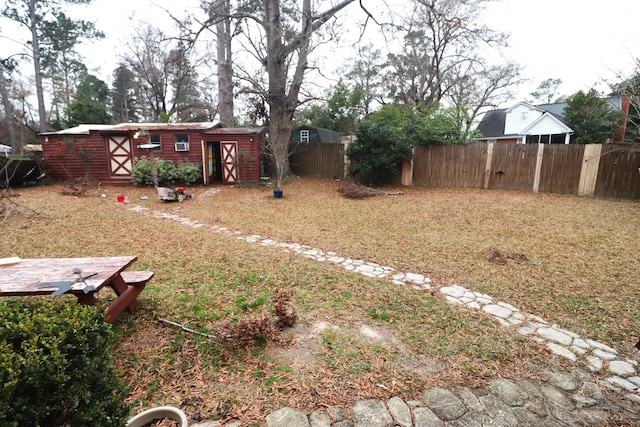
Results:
570 260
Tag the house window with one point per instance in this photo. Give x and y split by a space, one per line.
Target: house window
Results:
491 141
524 116
182 141
304 136
154 138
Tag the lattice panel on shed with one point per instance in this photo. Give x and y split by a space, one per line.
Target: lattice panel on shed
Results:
120 162
229 151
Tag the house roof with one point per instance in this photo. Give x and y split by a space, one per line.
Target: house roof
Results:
85 129
492 124
557 108
533 107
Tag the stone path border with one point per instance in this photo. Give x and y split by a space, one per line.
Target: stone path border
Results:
622 372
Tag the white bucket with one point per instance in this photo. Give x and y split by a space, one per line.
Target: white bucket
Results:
157 414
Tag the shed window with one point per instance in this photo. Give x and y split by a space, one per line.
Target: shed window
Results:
524 116
182 141
304 136
182 137
154 138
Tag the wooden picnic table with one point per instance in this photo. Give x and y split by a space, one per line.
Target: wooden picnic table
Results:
82 276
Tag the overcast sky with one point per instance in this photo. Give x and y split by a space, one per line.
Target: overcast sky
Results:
573 40
580 42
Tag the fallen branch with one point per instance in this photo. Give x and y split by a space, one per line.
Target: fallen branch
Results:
23 206
7 196
236 335
6 212
184 328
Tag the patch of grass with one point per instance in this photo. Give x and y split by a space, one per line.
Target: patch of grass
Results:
242 303
152 388
379 315
283 368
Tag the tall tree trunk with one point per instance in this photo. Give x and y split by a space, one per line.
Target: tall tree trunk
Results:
33 25
225 67
282 104
277 72
283 101
8 112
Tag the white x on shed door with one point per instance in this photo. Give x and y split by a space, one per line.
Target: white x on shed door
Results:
120 157
229 151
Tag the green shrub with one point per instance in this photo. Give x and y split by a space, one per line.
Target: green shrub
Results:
169 174
141 172
377 154
188 173
165 170
56 366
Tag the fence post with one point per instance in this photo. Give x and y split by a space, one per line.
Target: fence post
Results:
536 178
345 159
589 170
487 168
407 170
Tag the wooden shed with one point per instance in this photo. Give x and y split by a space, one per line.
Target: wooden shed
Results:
106 152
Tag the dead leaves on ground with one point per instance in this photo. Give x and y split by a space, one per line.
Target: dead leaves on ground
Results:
498 256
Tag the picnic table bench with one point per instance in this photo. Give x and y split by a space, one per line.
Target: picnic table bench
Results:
82 277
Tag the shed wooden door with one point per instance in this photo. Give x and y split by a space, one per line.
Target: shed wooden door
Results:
229 151
120 156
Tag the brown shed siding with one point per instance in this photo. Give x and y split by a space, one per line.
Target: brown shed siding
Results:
88 153
248 155
249 146
76 155
167 146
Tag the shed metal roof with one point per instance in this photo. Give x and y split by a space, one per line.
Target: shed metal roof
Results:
243 131
85 129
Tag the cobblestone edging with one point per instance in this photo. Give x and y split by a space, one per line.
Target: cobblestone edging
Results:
567 399
622 376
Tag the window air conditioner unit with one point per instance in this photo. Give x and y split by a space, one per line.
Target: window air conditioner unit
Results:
182 146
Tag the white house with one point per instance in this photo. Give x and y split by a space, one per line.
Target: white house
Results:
526 123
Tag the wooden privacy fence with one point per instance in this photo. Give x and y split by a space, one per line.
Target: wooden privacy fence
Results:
603 170
320 160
